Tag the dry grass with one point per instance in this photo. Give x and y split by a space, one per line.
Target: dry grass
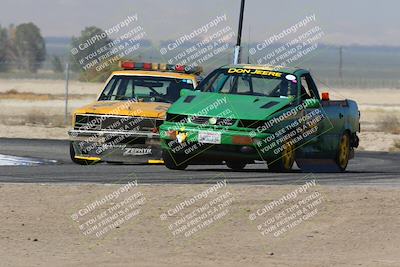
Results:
396 146
388 124
14 94
40 118
36 118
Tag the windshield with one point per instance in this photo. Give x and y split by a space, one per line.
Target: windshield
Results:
144 89
250 82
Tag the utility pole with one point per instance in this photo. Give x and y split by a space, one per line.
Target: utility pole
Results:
66 93
340 62
248 47
236 57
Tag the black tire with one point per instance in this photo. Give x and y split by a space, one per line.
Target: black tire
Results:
343 154
330 165
285 162
235 165
174 163
79 161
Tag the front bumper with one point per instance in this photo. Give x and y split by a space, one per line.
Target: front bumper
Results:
112 146
233 144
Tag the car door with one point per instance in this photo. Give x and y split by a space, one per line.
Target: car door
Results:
330 126
313 118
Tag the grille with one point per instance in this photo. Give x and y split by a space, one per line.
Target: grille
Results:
199 120
251 123
120 123
220 121
176 118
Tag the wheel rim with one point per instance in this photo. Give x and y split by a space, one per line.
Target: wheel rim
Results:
344 151
288 157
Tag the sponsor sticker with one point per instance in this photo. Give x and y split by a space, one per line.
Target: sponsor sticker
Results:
137 151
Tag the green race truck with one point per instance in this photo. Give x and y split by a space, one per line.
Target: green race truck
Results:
241 114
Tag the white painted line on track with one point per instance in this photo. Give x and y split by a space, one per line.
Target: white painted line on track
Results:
7 160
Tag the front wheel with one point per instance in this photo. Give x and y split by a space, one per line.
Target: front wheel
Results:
236 165
285 162
79 161
173 162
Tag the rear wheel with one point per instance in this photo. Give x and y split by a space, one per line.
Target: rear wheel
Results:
285 162
338 163
174 162
79 161
343 154
235 165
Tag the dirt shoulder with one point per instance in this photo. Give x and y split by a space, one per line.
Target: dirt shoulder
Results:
353 226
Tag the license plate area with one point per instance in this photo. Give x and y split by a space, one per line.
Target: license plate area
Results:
209 137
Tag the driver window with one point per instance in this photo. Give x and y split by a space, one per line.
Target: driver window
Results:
228 84
173 90
306 91
219 81
109 88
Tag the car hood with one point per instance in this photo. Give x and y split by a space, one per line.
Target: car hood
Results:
247 107
126 108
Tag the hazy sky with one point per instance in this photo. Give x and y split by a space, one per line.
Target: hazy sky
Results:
343 21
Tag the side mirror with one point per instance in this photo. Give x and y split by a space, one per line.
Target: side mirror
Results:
312 103
184 92
325 96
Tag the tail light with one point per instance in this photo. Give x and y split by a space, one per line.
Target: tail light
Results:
325 96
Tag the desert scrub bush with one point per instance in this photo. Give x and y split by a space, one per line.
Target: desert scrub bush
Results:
389 124
396 146
40 118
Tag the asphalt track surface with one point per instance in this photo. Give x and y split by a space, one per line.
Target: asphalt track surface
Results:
368 168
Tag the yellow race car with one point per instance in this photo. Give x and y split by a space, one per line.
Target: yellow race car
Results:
122 125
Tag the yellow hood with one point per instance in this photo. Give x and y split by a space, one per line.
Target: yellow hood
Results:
126 108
